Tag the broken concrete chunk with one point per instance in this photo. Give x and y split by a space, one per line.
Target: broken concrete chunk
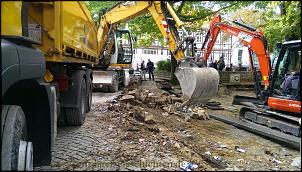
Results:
127 98
137 95
165 114
239 149
151 94
208 153
128 106
170 109
187 119
203 114
161 101
149 118
177 99
169 99
143 95
166 108
132 92
177 145
138 116
276 161
114 107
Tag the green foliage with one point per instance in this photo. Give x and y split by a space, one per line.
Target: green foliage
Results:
96 7
163 65
194 14
276 27
285 26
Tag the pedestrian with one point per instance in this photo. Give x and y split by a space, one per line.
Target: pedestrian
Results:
150 66
143 70
215 65
221 64
211 64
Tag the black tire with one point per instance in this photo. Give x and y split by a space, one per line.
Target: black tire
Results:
122 78
105 89
62 117
13 130
114 87
89 94
76 116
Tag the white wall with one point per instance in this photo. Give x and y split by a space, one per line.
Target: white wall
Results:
245 57
139 56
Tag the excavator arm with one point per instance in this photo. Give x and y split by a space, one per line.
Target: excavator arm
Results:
198 83
251 37
161 12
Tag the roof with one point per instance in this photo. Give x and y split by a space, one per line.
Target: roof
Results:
292 42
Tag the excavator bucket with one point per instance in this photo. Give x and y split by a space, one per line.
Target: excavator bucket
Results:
199 85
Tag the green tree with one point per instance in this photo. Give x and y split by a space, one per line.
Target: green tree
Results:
276 27
284 26
193 13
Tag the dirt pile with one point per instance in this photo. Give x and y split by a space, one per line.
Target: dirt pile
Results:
139 101
174 125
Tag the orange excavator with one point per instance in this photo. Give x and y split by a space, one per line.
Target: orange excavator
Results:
276 112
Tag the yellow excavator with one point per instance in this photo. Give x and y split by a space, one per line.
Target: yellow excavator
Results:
198 84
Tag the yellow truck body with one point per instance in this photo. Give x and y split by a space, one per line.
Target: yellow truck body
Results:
65 29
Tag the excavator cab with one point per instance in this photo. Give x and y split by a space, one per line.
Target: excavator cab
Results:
123 45
285 81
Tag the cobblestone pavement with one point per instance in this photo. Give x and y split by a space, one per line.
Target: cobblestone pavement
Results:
100 144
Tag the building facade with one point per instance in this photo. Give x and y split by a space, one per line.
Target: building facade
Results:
229 48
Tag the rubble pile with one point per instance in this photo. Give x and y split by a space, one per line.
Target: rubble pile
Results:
138 101
169 122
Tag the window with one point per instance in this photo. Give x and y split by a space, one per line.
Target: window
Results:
287 74
150 51
240 56
125 53
198 37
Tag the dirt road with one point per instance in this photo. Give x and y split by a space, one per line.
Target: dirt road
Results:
111 139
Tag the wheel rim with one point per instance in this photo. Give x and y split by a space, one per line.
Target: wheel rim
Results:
29 157
25 157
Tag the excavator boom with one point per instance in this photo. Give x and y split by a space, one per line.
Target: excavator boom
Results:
126 11
198 88
251 37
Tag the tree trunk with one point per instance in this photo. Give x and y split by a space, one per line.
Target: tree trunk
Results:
282 8
174 80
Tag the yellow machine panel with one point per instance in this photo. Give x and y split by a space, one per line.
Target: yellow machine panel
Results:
11 19
68 31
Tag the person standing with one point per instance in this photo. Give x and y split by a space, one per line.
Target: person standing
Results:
143 70
137 67
221 64
150 66
215 65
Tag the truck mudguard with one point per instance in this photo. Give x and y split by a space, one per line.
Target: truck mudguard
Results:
71 98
